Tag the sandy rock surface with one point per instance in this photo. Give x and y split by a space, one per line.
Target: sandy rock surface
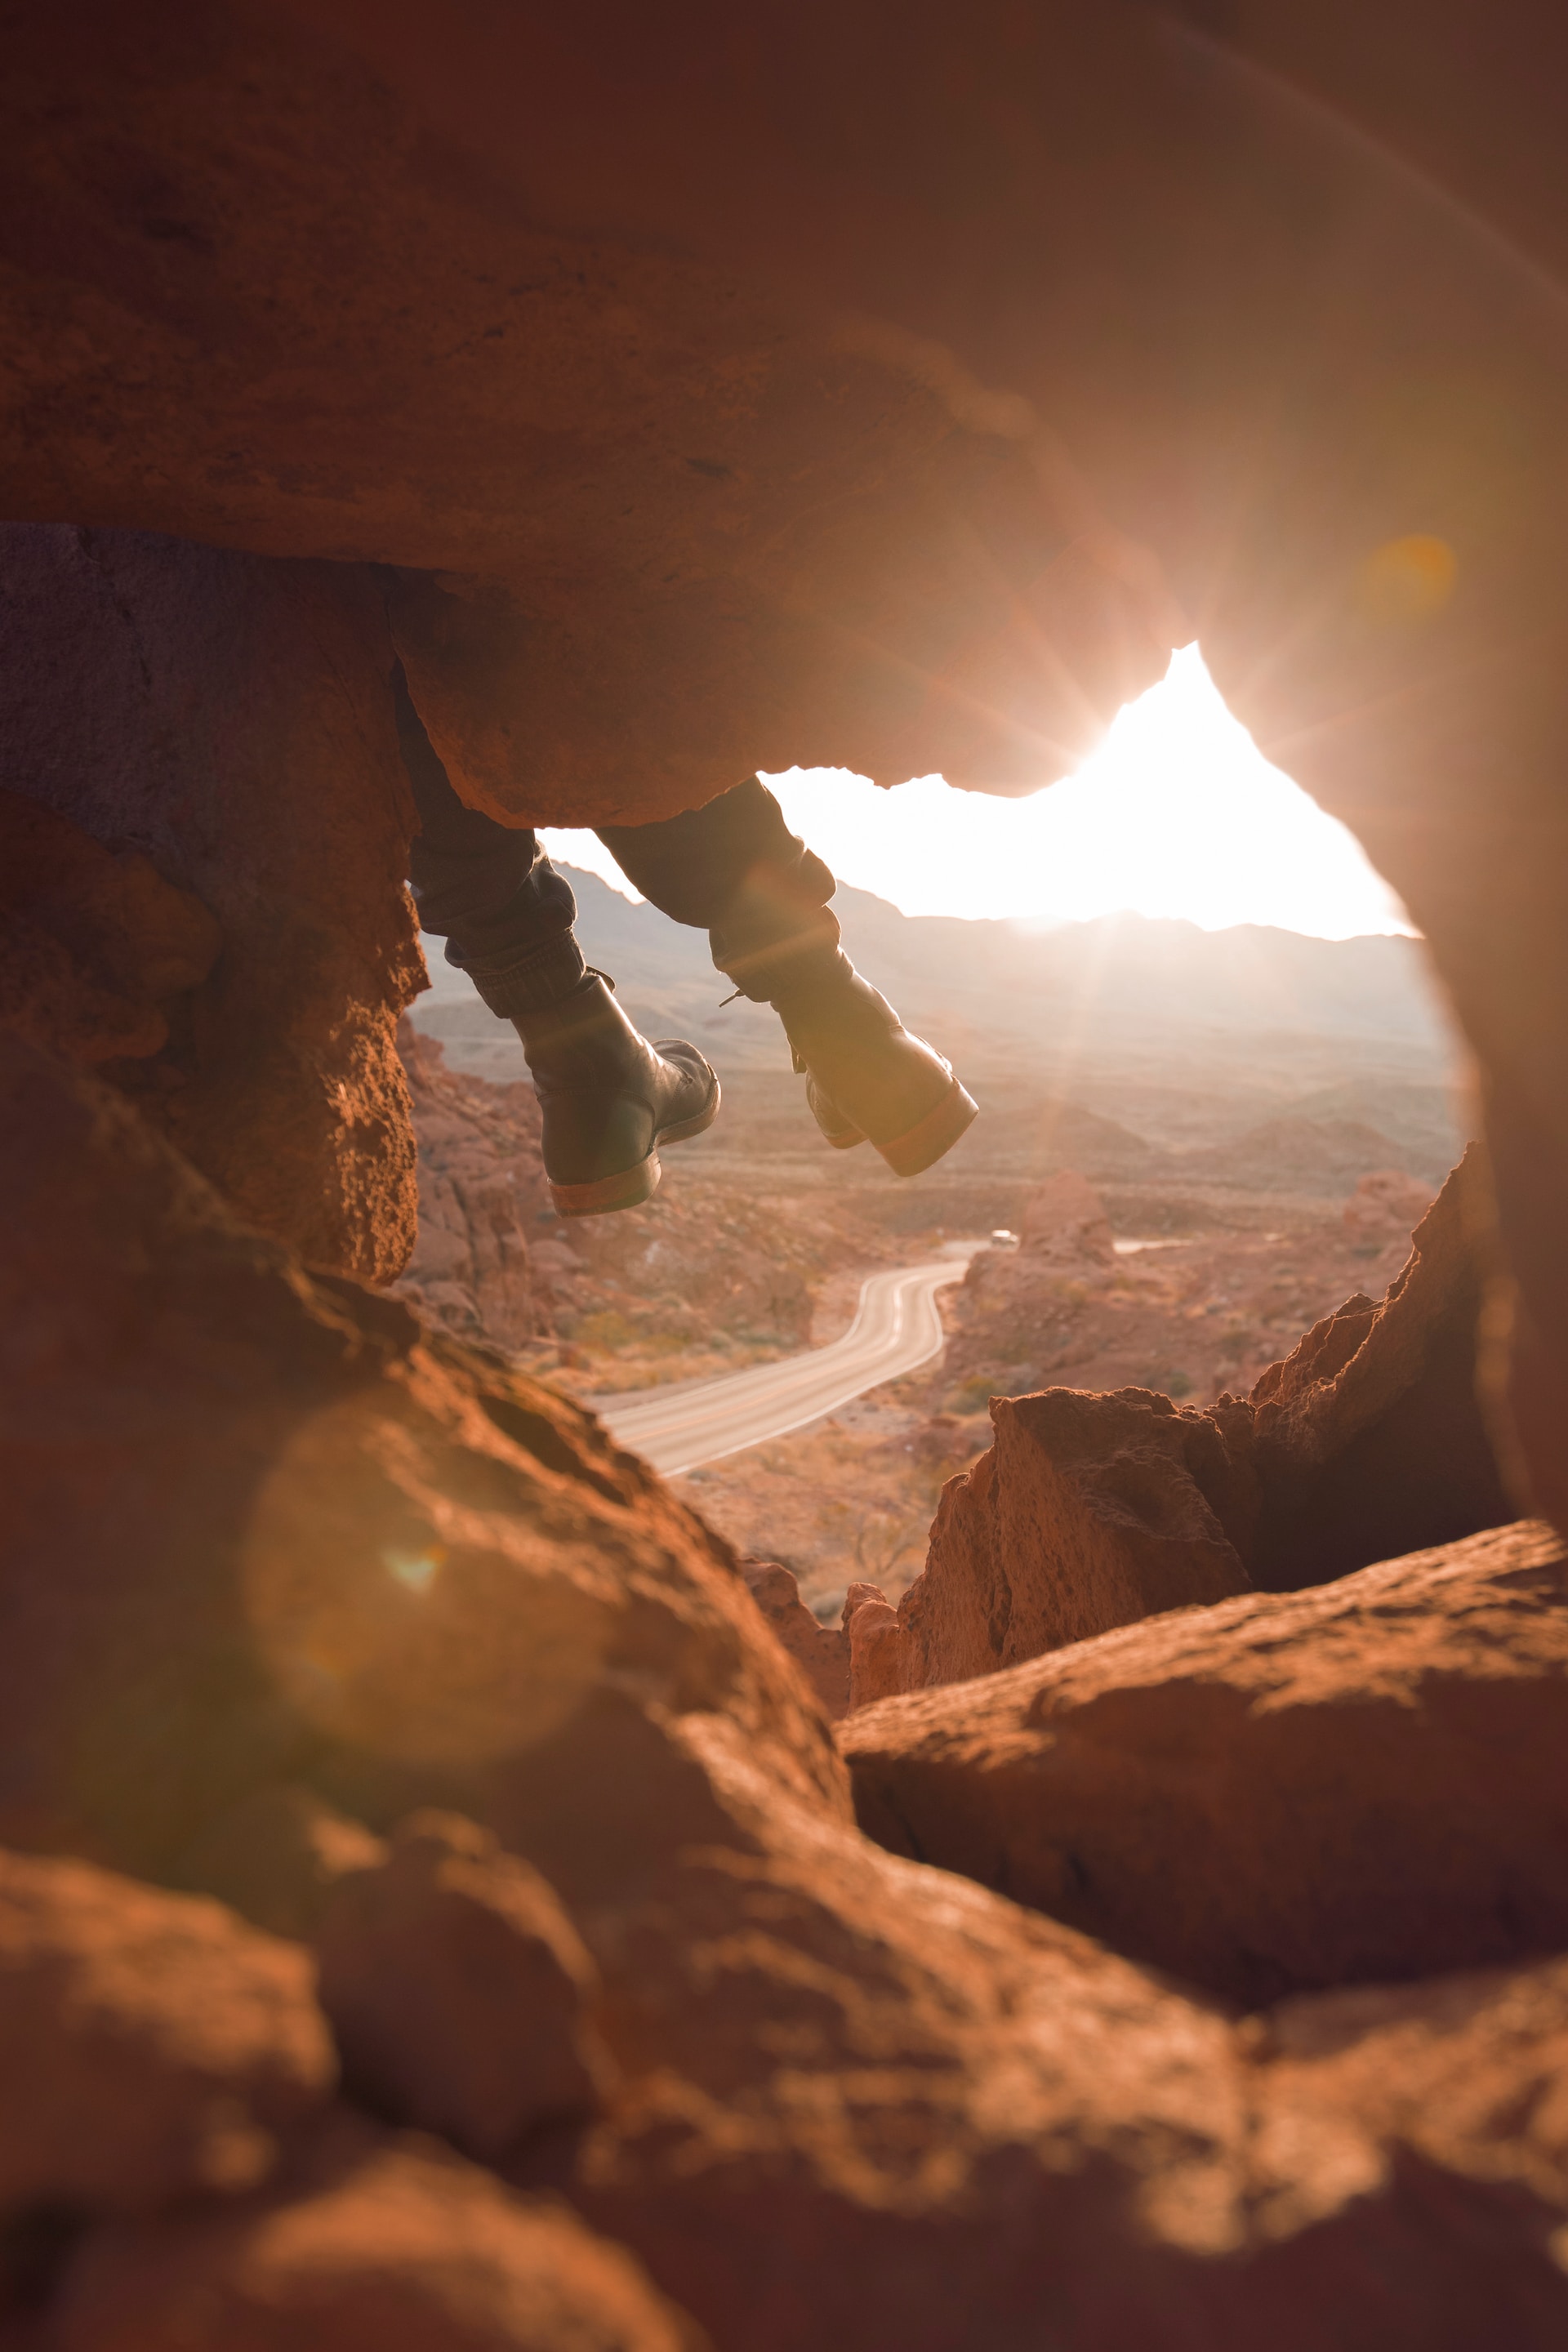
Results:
1363 1781
97 948
152 2046
228 721
860 2099
1087 1512
288 1540
458 1990
395 2247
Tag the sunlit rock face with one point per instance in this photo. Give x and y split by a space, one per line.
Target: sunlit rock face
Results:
1348 1785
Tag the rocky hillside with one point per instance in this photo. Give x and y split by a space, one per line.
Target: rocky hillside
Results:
489 1945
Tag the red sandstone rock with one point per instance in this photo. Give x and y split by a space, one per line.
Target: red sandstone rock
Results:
822 1652
1465 2076
1087 1512
276 1856
1368 1440
231 719
863 2100
95 947
875 1645
280 1534
391 2248
741 444
459 1991
151 2047
481 1187
1366 1780
1092 1511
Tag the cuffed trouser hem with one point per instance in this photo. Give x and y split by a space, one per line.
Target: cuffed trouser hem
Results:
530 982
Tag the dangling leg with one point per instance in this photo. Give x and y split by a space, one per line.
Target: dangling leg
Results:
609 1099
735 869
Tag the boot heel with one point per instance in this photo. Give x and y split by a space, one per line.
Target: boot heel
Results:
921 1145
627 1189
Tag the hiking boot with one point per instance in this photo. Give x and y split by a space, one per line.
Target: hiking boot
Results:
867 1080
609 1099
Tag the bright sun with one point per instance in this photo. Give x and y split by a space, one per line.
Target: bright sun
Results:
1177 813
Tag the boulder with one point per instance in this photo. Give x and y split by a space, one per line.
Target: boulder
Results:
265 1529
1087 1511
1462 2078
1365 1781
459 1992
875 1645
152 2046
383 2246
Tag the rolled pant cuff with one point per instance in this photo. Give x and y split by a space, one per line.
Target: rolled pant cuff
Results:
530 982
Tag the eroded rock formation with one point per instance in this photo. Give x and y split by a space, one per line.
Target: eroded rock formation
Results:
821 1651
288 1542
751 444
671 406
1092 1511
220 729
1342 1786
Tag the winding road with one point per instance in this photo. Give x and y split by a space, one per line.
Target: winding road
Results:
897 1327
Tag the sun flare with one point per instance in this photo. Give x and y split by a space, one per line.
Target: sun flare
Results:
1178 814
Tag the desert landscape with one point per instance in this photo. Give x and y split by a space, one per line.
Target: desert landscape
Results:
1178 1195
1063 1848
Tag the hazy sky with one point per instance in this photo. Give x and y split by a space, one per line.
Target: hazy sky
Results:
1177 813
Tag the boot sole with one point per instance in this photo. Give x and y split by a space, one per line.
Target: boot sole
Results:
922 1145
630 1187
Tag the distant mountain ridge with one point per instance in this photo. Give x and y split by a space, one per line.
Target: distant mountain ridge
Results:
1158 972
1188 1036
